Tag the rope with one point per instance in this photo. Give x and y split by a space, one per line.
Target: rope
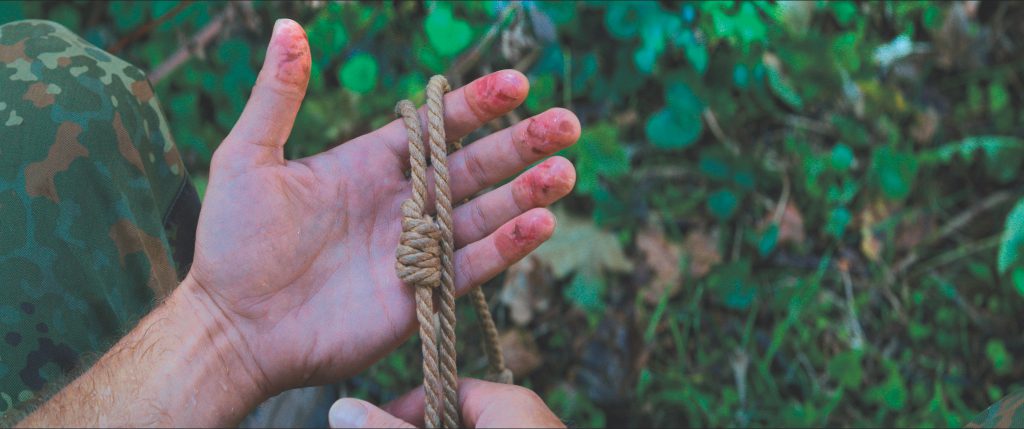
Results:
425 260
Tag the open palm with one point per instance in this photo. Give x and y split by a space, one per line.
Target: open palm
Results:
299 255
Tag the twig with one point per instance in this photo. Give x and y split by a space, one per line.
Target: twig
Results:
149 26
954 224
957 253
200 40
709 117
468 59
857 337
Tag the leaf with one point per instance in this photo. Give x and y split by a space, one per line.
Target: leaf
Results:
679 124
542 94
723 203
359 74
580 248
702 252
1011 247
447 34
842 157
781 87
846 368
663 257
838 219
894 171
1002 361
520 351
624 19
598 154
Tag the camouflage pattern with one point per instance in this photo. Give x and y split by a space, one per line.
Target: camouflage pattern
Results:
1007 413
97 215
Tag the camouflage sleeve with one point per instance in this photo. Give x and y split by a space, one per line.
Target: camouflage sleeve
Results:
97 215
1007 413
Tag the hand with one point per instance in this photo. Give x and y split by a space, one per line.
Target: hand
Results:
484 405
296 258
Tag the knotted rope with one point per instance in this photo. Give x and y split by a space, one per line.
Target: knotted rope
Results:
425 259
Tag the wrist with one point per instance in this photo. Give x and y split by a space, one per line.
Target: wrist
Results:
222 346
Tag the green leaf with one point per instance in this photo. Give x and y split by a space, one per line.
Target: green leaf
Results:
542 94
894 393
723 203
1011 246
598 154
679 124
998 98
624 19
1018 280
842 157
894 171
838 220
769 238
846 368
447 34
586 292
665 131
359 74
781 88
1002 361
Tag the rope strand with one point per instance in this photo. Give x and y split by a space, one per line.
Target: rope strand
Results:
425 259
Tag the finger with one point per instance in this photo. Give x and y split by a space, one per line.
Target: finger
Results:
268 117
538 187
355 413
466 109
480 261
477 399
504 153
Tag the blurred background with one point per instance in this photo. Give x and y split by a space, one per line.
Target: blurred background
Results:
787 214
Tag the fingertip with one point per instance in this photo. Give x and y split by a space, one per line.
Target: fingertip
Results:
288 57
569 127
524 234
563 175
497 93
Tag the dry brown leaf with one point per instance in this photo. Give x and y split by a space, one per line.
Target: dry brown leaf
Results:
925 125
522 356
526 290
702 250
578 245
912 231
870 245
664 259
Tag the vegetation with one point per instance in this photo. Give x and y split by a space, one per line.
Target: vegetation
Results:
787 214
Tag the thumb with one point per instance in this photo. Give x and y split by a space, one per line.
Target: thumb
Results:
354 413
268 117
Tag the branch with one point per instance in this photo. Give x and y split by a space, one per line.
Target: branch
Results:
149 26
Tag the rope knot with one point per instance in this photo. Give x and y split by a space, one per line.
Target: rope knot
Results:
418 258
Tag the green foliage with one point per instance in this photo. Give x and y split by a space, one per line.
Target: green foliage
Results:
850 168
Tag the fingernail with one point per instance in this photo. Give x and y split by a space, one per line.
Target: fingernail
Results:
277 26
347 413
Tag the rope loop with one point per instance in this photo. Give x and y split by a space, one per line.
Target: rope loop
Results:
418 257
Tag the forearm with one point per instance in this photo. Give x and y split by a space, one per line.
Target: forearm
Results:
178 367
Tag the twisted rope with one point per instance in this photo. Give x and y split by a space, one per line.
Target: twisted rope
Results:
425 259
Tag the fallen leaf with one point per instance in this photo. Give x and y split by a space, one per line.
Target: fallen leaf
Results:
870 245
912 231
702 250
527 290
791 225
522 356
580 246
663 258
925 125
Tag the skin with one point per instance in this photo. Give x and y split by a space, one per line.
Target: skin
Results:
293 281
483 405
